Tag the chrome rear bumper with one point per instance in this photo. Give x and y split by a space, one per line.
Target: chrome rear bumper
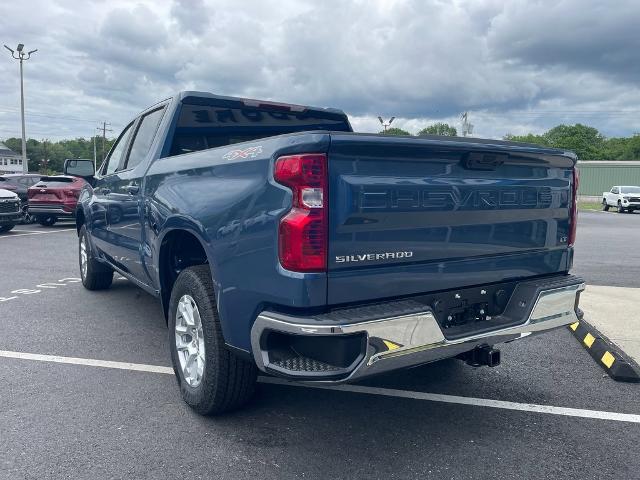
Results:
396 342
53 209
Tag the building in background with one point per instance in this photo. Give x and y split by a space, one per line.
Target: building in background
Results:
599 176
10 161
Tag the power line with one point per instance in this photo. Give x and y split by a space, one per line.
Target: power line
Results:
49 115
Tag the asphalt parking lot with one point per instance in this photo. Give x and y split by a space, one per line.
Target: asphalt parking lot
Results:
61 420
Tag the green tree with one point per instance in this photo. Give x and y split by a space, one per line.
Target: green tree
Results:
395 131
439 128
46 156
632 149
528 138
615 148
586 142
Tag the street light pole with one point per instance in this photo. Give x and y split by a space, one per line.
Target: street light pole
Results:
21 56
384 124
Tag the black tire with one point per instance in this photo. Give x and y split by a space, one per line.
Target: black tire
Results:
46 220
97 275
620 208
605 206
228 381
6 228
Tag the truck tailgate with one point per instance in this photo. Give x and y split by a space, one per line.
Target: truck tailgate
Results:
418 215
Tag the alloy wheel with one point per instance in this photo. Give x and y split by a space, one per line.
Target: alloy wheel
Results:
84 258
189 340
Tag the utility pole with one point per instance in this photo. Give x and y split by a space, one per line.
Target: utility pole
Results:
386 125
467 128
45 159
104 130
22 57
95 156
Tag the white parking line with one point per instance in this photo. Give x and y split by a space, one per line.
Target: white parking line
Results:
478 402
137 367
385 392
34 233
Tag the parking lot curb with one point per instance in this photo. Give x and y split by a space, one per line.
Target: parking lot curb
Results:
603 351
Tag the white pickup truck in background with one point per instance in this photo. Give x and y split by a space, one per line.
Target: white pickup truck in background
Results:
625 199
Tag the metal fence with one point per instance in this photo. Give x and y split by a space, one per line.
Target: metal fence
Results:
599 176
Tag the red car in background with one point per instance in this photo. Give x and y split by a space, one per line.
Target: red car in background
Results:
54 198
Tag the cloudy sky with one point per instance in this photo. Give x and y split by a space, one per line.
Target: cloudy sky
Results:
515 66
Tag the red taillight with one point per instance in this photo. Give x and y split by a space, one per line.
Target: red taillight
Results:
573 220
72 193
302 242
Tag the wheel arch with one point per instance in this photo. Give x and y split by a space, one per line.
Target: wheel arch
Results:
180 246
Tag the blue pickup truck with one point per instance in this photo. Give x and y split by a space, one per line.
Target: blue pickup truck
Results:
278 240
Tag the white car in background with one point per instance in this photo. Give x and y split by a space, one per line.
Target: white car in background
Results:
10 212
625 199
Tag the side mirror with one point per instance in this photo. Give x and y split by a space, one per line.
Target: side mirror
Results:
79 168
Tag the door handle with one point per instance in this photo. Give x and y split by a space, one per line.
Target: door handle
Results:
132 188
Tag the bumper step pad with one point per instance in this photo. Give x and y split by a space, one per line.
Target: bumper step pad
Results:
304 364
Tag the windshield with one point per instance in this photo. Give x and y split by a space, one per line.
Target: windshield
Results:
630 189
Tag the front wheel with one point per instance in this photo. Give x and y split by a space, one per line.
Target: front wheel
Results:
605 205
6 228
620 208
212 379
94 275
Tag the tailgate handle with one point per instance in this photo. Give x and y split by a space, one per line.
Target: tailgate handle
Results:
484 161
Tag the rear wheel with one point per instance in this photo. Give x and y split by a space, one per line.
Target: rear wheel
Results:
5 228
605 205
46 220
212 379
94 275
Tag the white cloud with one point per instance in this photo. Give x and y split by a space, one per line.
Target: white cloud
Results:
517 66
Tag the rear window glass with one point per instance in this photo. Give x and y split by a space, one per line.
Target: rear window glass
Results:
208 123
54 182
